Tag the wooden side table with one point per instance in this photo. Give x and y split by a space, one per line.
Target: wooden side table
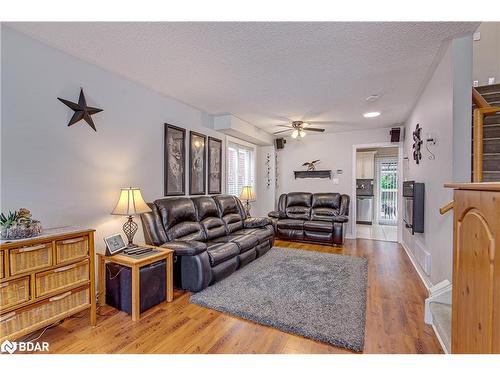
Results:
135 264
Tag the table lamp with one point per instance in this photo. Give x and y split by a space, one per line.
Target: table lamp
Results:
129 204
247 194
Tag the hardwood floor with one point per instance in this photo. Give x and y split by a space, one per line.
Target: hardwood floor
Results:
394 319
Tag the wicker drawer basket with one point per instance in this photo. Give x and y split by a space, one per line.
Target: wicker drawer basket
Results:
14 292
72 249
2 272
29 258
61 278
43 312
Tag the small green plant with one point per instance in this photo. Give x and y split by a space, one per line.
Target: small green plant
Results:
7 221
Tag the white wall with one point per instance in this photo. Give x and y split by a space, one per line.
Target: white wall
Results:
437 112
72 175
487 53
334 151
265 192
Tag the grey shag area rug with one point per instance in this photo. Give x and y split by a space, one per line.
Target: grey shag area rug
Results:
317 295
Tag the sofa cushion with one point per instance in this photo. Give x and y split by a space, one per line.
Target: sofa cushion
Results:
298 199
186 231
330 200
323 213
290 224
298 206
208 216
179 219
263 234
220 252
230 212
245 242
318 226
298 212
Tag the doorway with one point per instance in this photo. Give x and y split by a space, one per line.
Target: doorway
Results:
376 187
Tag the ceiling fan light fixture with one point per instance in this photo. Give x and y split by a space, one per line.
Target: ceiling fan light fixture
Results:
302 133
371 114
295 134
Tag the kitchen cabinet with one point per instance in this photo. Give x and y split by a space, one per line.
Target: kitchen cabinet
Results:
365 165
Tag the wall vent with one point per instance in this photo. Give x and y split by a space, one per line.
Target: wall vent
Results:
423 257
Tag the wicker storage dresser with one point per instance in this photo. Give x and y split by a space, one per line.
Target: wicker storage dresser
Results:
46 279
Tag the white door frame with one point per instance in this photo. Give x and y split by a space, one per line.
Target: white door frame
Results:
355 148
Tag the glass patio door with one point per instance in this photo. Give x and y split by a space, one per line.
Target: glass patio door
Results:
387 191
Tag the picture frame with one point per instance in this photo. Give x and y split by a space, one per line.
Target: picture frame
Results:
197 163
214 165
174 160
114 244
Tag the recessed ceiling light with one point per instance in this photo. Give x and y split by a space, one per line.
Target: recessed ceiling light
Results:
371 114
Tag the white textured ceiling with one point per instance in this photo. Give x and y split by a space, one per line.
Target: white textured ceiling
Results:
268 73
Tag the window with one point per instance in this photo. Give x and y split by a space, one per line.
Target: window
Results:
240 167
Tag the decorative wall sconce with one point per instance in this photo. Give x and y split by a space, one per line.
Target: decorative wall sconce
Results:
417 143
430 140
268 170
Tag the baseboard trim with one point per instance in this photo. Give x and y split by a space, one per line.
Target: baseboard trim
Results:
441 342
424 279
428 285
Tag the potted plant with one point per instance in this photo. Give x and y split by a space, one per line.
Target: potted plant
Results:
18 224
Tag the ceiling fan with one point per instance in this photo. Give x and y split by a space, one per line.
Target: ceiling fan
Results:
298 129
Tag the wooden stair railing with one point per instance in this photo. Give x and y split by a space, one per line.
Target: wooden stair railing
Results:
482 110
478 99
447 207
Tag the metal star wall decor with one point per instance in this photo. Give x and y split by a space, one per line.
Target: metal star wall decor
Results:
82 111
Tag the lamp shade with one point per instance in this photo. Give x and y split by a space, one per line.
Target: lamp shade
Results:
247 193
130 203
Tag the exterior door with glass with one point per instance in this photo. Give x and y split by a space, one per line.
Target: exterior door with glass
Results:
387 190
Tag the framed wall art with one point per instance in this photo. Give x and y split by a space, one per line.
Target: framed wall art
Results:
175 160
197 163
214 166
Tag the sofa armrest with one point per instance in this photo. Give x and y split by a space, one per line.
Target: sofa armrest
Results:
256 222
186 248
277 214
340 219
344 205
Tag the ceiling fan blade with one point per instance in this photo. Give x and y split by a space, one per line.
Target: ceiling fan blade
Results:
285 126
282 131
315 129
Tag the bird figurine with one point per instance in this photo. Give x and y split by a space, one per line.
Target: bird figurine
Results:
311 166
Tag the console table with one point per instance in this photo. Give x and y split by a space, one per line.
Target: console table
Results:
45 279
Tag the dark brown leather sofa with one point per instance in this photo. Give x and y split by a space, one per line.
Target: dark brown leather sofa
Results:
211 236
319 217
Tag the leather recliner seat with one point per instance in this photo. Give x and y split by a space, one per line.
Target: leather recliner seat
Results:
212 237
319 217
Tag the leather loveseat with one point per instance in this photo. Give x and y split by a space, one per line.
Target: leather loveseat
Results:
319 217
212 237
